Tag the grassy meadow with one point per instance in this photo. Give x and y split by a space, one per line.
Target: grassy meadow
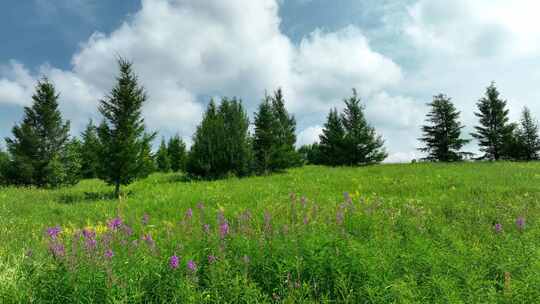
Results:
411 233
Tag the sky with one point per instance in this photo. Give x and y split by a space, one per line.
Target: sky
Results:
398 54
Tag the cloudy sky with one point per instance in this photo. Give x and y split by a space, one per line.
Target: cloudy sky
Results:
397 53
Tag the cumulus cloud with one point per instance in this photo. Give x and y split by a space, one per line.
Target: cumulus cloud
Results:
186 50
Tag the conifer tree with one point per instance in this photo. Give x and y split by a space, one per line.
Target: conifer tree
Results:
442 134
162 157
362 145
311 154
286 155
332 141
494 129
4 167
221 144
90 151
265 140
176 149
124 142
527 138
38 146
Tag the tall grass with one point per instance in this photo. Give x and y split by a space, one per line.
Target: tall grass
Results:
463 233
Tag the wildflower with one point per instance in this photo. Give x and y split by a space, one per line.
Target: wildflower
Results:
57 250
88 234
200 206
306 220
115 223
174 262
206 228
191 266
303 201
189 213
211 259
224 229
145 219
340 217
127 230
91 244
498 228
520 223
109 254
149 240
53 232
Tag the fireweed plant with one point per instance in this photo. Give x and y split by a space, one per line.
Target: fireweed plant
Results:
415 234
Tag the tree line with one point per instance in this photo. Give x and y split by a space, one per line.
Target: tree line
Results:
118 150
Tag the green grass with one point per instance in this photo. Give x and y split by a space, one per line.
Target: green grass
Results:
413 233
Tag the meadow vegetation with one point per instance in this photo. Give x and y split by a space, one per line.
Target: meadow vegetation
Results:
424 233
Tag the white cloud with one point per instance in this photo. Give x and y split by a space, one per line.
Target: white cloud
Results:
309 136
185 49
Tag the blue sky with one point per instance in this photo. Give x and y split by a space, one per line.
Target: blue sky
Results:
397 53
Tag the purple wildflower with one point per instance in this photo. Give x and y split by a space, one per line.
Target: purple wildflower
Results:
303 201
127 230
91 244
206 228
149 240
191 266
224 229
174 262
145 219
189 213
211 259
498 228
115 223
88 234
109 254
53 232
57 250
200 206
520 223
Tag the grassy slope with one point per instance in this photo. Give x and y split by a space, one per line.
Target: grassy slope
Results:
433 218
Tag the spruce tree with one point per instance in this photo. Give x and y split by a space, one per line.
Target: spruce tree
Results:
362 144
528 140
265 140
124 142
442 134
494 129
176 149
332 141
221 144
286 155
90 151
39 143
162 158
311 154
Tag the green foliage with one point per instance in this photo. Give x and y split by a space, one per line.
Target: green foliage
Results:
221 144
348 139
362 145
526 144
332 141
125 145
90 151
39 143
4 167
311 154
442 136
176 149
420 233
285 130
163 161
494 130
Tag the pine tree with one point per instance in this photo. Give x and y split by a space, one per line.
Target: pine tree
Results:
527 138
494 129
90 151
265 139
176 149
221 144
286 155
124 153
39 142
332 141
162 158
362 145
442 134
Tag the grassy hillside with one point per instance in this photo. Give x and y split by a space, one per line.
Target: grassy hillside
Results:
389 233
